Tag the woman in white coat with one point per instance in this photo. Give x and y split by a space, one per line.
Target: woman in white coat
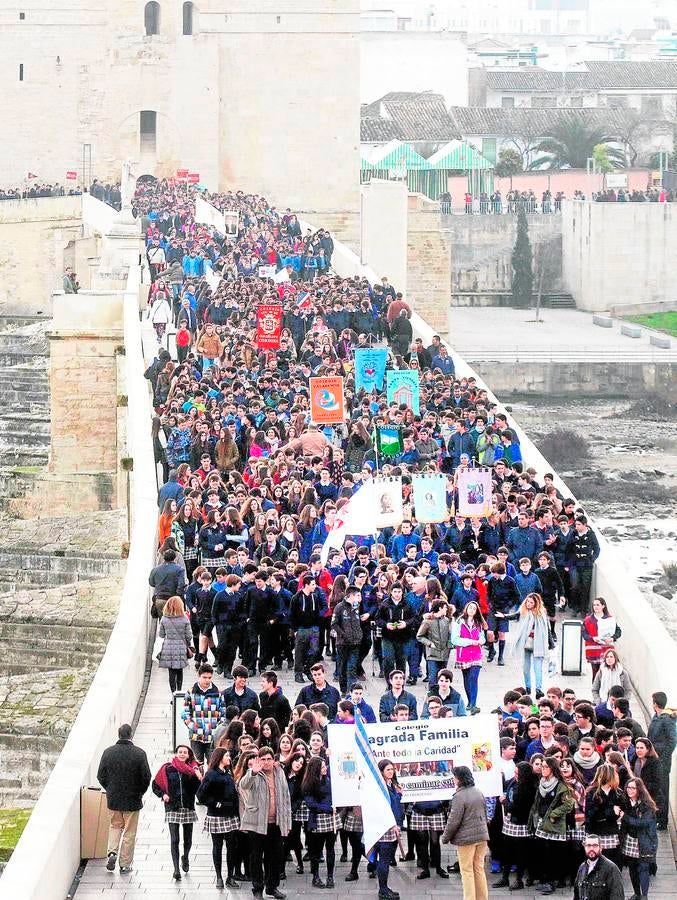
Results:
531 639
160 314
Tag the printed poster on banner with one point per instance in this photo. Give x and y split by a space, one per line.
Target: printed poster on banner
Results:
425 753
474 492
388 493
266 271
430 498
327 404
370 368
268 326
403 387
231 219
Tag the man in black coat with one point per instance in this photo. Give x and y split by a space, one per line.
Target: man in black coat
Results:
597 878
124 774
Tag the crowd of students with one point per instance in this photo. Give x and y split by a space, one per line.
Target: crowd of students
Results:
251 489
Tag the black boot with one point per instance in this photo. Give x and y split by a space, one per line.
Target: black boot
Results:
518 885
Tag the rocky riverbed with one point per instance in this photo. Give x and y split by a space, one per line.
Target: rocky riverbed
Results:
627 482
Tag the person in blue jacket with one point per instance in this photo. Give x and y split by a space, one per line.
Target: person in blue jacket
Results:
523 540
357 697
527 581
396 694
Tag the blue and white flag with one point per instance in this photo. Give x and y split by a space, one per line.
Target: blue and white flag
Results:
370 368
430 498
404 388
377 814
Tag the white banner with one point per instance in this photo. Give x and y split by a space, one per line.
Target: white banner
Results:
424 752
266 271
205 212
388 497
212 279
474 492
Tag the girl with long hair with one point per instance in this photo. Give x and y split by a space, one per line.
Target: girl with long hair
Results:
640 836
647 767
295 767
600 631
552 804
269 735
468 639
185 530
531 639
218 793
601 797
611 672
176 784
323 822
576 818
518 800
177 642
167 516
385 848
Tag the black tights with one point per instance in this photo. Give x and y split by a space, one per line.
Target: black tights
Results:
174 841
231 852
356 847
428 848
293 843
316 843
175 679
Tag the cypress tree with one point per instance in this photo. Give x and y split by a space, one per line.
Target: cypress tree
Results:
522 271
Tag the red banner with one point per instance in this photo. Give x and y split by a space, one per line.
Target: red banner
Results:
268 326
182 173
193 178
71 175
327 403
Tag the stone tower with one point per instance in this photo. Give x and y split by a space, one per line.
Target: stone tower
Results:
262 96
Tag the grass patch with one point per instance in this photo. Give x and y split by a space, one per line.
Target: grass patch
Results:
564 448
66 682
12 824
670 571
662 321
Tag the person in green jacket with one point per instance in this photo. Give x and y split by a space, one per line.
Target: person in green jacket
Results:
548 822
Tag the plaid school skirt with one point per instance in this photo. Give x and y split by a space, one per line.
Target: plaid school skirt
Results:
190 553
302 814
630 847
326 822
576 834
221 824
514 831
419 822
211 563
546 836
389 837
180 816
609 841
351 822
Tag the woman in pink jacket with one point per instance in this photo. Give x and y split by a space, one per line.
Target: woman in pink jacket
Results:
468 638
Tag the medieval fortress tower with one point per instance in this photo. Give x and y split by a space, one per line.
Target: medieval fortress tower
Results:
252 95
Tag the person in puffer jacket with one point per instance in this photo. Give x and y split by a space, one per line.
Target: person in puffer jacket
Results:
202 712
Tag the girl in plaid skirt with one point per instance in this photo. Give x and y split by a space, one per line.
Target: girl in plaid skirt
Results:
323 822
218 792
603 795
295 767
427 822
351 827
639 834
385 848
576 818
553 802
176 784
517 841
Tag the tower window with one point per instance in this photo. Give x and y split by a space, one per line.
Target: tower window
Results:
21 71
151 18
188 18
148 130
22 16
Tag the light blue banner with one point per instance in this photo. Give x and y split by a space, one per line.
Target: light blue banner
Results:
430 498
370 368
404 387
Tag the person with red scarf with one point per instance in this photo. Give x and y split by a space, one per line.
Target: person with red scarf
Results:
176 784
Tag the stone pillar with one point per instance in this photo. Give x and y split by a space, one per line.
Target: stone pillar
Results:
84 344
428 263
384 230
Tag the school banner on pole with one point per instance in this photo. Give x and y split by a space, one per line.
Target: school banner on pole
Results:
205 212
327 403
388 493
430 498
425 753
403 387
474 492
268 326
370 368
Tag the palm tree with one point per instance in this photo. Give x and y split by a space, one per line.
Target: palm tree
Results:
570 143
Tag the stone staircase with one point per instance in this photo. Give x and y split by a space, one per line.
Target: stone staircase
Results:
24 387
52 647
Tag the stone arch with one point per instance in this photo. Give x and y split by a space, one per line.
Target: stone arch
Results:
146 179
